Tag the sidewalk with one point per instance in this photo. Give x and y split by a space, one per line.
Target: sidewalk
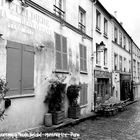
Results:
68 121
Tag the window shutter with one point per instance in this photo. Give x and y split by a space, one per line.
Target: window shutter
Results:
13 74
81 57
27 69
58 51
81 95
64 47
85 58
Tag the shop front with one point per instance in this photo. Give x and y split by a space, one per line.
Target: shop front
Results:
125 87
102 91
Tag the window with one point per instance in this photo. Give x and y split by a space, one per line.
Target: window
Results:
105 57
59 8
105 26
124 42
115 34
129 46
115 61
120 39
138 70
82 17
98 54
134 68
124 65
83 58
20 68
120 63
129 66
61 52
83 94
98 20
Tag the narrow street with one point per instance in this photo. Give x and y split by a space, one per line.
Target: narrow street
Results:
123 126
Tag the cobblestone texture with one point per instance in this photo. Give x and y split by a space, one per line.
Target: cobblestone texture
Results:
123 126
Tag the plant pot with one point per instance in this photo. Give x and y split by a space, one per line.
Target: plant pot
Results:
48 119
74 112
57 117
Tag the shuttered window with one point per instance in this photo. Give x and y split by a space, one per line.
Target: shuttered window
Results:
83 58
20 68
83 94
61 52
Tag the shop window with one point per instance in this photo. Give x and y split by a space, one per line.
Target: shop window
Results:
61 52
83 94
83 58
20 68
59 8
82 19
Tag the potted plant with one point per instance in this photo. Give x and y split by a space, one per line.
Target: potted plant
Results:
4 103
73 94
55 100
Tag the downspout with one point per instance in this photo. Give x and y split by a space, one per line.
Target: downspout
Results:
132 94
92 55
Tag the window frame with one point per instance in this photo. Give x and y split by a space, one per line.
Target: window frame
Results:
98 20
58 8
105 27
115 34
83 58
120 62
115 61
62 69
82 20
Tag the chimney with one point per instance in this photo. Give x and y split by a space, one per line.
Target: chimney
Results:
115 14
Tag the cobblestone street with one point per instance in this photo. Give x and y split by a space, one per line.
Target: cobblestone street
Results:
123 126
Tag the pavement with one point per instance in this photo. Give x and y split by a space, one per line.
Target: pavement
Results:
86 127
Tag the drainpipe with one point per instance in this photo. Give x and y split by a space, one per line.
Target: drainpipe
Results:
132 94
92 54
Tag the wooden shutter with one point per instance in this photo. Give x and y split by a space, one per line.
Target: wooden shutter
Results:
81 57
83 94
58 51
85 58
27 69
64 53
13 73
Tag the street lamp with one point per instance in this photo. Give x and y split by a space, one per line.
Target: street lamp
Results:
101 49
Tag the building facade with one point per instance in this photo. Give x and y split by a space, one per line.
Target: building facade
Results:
79 42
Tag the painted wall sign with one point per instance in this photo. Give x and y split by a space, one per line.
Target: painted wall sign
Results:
102 74
27 20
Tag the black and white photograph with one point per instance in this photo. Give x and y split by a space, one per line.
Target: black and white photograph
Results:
69 70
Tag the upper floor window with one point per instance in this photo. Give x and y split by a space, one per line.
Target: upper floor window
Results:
61 52
129 46
124 42
82 19
115 61
98 55
98 20
59 8
105 57
129 66
120 38
120 63
105 27
83 58
124 64
115 34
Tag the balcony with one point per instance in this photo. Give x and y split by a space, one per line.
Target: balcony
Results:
59 12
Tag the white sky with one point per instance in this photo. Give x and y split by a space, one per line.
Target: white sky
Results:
128 12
